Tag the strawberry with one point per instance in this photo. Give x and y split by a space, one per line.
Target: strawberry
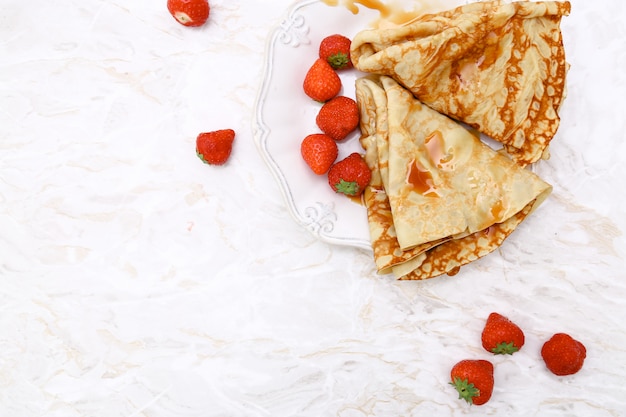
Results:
319 151
350 176
335 49
563 355
189 12
501 336
321 82
214 147
473 379
338 117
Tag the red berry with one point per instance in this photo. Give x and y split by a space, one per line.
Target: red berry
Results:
214 148
335 49
563 355
501 335
321 82
338 117
350 176
189 12
473 380
319 151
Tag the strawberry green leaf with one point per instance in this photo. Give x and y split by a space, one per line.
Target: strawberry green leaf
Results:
505 348
347 187
202 158
467 391
338 61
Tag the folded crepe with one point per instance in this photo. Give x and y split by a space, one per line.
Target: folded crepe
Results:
499 67
439 197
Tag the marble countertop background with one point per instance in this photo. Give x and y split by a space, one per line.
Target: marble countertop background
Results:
137 281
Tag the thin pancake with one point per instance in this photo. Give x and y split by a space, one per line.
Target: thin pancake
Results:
499 67
373 107
464 201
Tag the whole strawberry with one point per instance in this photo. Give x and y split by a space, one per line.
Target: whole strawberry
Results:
501 336
319 151
214 148
321 82
350 176
473 380
335 49
338 117
189 12
563 355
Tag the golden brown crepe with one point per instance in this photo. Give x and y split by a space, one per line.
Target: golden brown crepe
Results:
439 198
499 67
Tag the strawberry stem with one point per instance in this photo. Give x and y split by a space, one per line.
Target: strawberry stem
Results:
347 187
202 158
504 348
466 390
338 61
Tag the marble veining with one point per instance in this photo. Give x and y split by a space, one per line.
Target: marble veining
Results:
136 281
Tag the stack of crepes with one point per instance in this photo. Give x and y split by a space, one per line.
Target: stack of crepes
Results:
439 197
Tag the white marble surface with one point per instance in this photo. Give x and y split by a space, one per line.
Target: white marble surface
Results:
136 281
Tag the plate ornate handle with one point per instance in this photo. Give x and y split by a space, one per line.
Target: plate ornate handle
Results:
320 219
294 30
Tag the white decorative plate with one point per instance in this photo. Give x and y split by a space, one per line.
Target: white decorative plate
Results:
285 115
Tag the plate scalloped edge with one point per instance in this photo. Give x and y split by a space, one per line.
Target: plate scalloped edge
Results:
319 219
